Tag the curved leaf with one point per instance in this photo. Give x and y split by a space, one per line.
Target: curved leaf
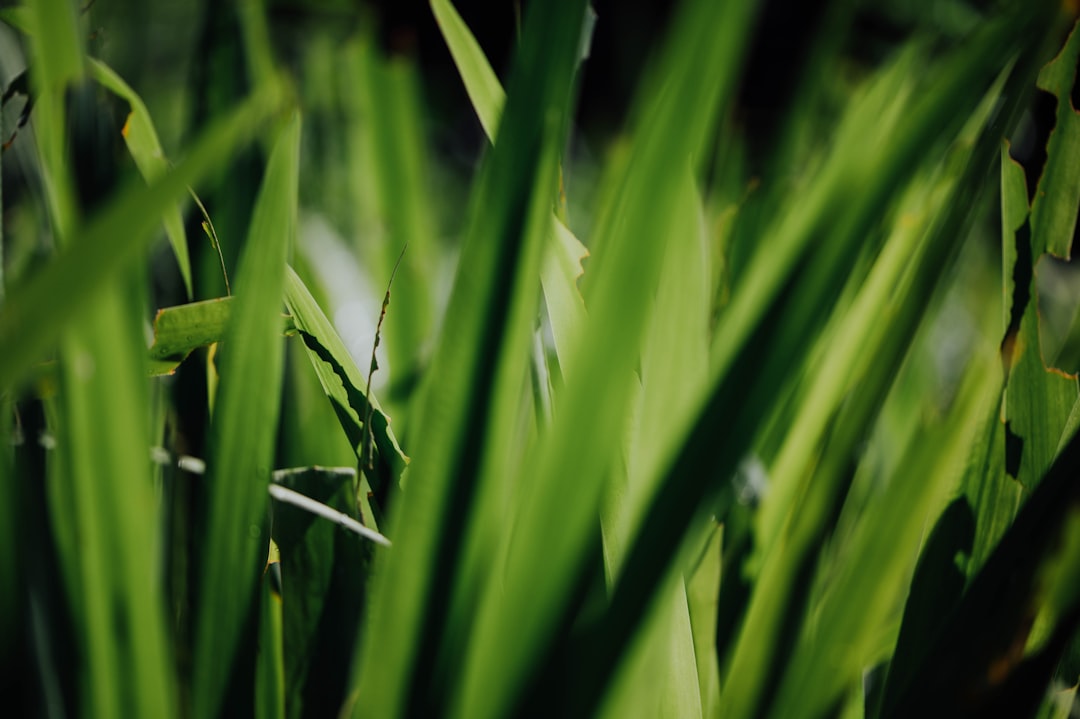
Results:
145 148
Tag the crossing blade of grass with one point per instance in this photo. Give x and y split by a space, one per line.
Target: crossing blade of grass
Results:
676 115
658 676
1003 470
563 251
58 62
236 540
37 310
1058 704
258 51
119 607
346 388
481 82
936 585
674 367
515 420
493 287
145 148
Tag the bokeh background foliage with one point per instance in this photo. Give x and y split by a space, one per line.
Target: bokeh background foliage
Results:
728 366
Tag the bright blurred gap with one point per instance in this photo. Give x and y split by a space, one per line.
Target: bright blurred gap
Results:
354 301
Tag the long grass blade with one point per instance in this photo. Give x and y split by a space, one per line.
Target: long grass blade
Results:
563 252
493 291
344 385
145 148
245 426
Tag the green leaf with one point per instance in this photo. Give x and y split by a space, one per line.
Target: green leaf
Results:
1037 399
145 148
674 367
1058 704
1057 196
179 330
17 17
559 273
485 91
936 589
868 581
345 386
658 678
36 311
256 36
324 573
270 670
702 598
994 495
244 429
974 671
486 335
107 490
57 58
563 252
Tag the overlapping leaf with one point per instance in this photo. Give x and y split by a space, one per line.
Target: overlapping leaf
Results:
245 425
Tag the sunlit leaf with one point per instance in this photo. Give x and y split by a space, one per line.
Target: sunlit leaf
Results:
1057 196
235 545
345 386
181 329
563 251
145 148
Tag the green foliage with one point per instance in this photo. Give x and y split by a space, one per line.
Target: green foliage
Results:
787 442
244 427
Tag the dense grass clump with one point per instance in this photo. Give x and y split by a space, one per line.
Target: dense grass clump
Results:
763 404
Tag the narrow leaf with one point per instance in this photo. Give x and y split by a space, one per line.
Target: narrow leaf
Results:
563 251
145 148
244 429
344 385
1057 197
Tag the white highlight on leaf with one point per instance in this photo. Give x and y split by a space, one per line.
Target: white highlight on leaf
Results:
288 496
191 464
751 480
